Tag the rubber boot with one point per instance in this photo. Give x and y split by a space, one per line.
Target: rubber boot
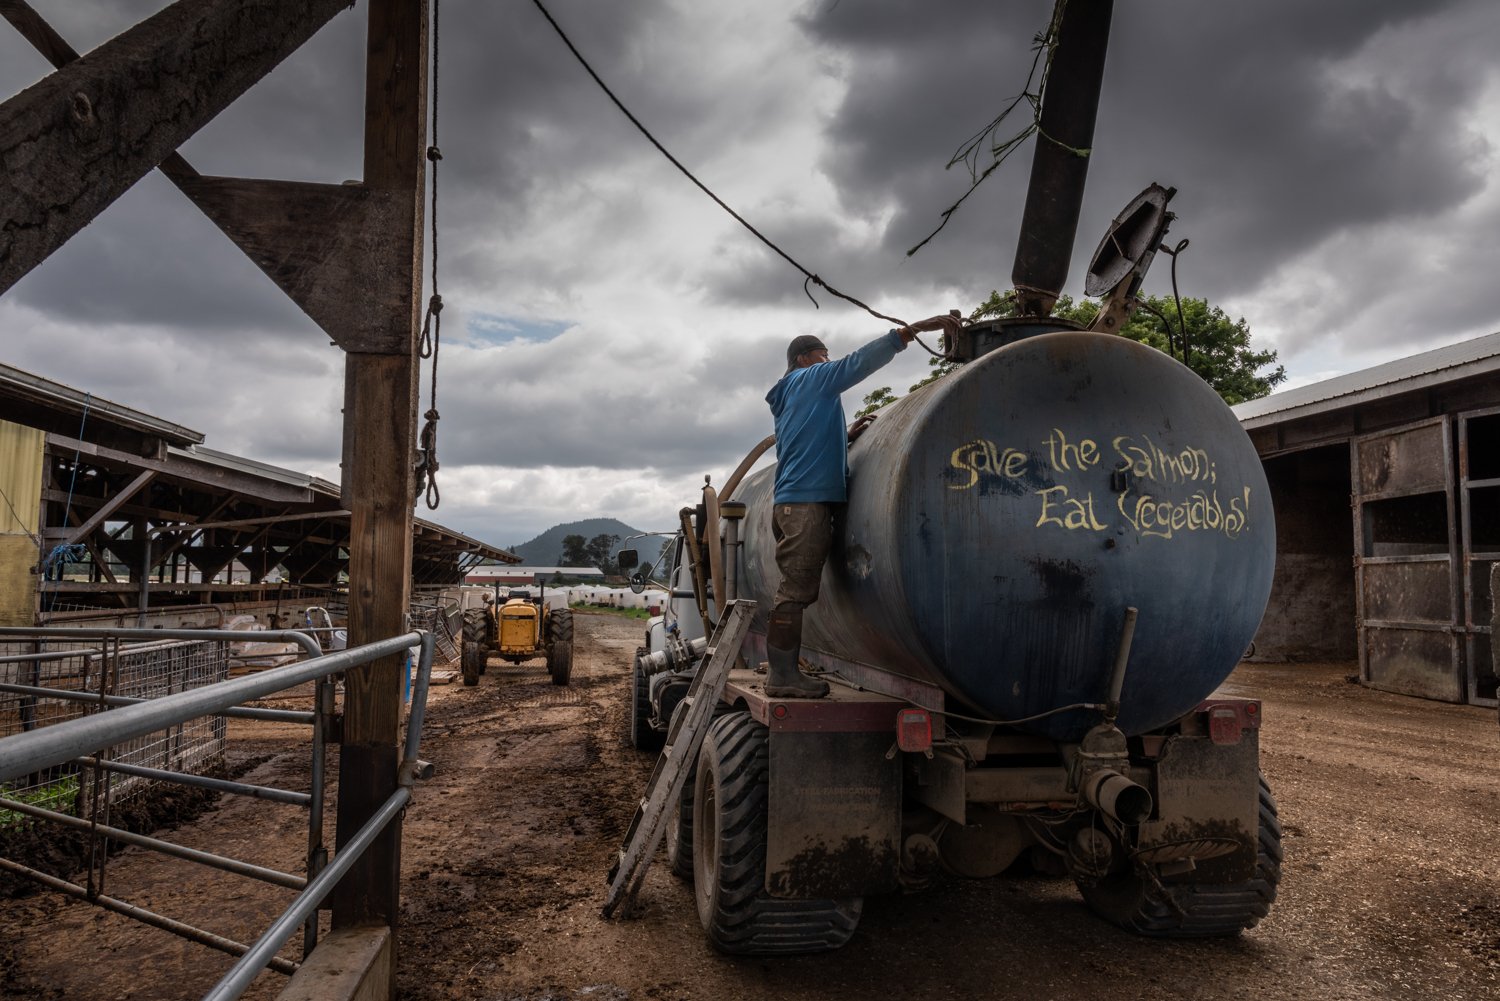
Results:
783 649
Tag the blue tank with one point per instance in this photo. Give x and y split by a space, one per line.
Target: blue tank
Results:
1001 520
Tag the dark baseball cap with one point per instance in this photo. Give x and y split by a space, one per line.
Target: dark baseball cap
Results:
801 345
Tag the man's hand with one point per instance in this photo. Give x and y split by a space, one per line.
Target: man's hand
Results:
949 325
858 427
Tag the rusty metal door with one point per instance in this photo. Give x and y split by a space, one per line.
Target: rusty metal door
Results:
1406 561
1479 491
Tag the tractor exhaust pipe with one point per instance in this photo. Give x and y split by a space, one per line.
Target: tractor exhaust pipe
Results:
1055 194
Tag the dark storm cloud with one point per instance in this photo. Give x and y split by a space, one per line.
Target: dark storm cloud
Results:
916 88
1240 106
1274 142
566 403
153 258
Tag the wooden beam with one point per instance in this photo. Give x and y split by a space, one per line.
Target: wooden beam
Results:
327 246
317 242
214 513
380 437
185 470
56 50
75 141
110 506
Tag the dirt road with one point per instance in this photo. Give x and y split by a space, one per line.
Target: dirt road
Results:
1390 806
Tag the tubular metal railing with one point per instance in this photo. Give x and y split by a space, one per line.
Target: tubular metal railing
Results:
84 742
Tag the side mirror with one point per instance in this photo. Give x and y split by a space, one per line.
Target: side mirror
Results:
627 558
637 582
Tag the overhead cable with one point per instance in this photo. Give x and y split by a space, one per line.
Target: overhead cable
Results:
811 278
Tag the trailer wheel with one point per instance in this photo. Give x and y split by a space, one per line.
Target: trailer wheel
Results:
729 854
472 655
642 736
1138 904
560 645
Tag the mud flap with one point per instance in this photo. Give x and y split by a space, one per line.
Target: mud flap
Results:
834 815
1207 818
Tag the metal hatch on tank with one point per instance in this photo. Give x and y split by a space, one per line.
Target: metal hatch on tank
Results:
1002 519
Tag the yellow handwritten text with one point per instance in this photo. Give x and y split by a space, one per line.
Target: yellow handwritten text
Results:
983 457
1163 519
1145 459
1059 509
1067 456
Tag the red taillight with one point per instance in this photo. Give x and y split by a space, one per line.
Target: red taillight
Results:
1224 725
914 730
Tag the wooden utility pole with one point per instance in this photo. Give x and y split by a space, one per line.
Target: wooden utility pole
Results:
380 437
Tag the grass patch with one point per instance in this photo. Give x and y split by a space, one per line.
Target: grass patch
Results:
59 796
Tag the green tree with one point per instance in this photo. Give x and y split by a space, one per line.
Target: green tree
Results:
873 401
600 549
575 552
1219 348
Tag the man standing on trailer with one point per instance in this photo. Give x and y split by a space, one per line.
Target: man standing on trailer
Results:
812 471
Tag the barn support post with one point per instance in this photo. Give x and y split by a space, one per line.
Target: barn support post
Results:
76 140
380 424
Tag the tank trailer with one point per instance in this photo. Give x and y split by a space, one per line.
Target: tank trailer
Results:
1049 562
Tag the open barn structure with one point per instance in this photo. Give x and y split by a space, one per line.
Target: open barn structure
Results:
138 518
1386 484
349 255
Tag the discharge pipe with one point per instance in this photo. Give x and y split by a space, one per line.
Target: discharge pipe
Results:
1118 797
1060 162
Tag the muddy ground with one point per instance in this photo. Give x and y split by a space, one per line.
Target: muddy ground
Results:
1391 809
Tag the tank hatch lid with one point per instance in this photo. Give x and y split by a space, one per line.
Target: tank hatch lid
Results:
1131 240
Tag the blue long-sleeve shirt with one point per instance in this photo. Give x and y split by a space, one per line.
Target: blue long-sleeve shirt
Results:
812 463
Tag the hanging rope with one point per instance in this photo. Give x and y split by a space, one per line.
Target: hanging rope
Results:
1043 46
67 554
432 323
811 279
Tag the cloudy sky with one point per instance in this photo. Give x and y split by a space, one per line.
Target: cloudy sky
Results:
610 333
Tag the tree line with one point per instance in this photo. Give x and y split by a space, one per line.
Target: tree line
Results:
1218 348
596 552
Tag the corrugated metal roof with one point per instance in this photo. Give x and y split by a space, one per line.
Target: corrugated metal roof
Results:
240 464
27 386
510 571
1479 356
327 489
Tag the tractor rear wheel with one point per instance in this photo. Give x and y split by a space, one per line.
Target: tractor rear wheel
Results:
729 854
475 649
1147 907
643 737
560 645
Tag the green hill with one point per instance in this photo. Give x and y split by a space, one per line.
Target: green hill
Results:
546 549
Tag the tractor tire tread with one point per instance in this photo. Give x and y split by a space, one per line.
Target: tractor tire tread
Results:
745 918
642 736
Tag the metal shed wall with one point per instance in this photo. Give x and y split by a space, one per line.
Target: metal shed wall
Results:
21 485
1370 566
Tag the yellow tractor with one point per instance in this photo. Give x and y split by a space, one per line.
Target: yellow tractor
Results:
518 629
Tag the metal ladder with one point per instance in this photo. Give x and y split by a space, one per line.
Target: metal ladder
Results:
689 726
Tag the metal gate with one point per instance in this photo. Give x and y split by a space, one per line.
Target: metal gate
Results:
1479 491
1406 561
